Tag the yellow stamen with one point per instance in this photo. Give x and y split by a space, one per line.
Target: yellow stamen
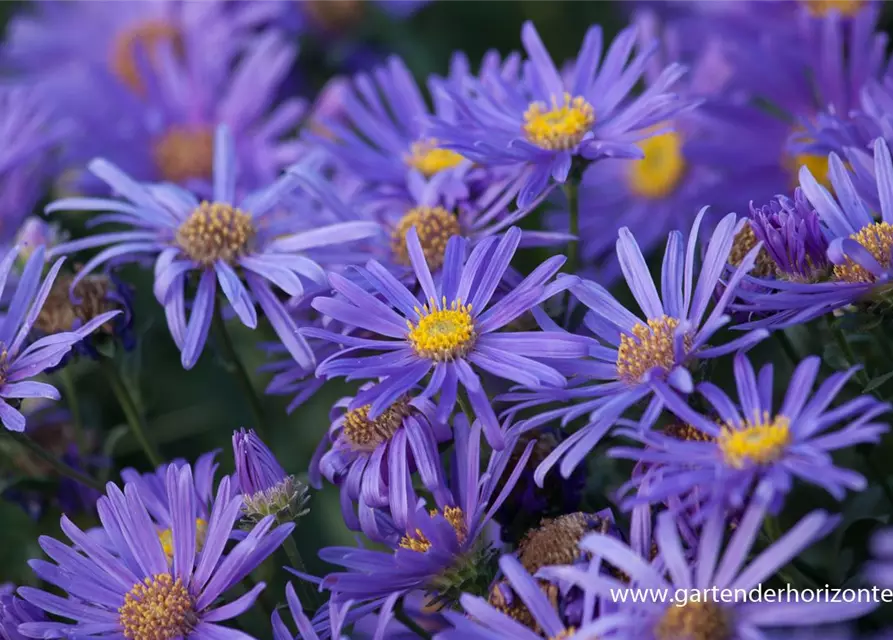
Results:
659 173
167 538
560 127
184 153
877 239
364 434
145 37
694 621
215 231
649 347
429 159
442 333
419 543
760 440
817 165
434 226
744 241
821 8
60 314
159 608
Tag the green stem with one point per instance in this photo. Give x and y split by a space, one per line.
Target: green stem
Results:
861 376
408 622
876 473
309 596
60 467
74 407
131 412
235 365
788 347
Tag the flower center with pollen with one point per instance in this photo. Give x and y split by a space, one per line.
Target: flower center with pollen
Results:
364 434
166 537
649 347
143 38
158 608
184 153
658 174
821 8
877 238
215 231
419 543
817 165
434 225
426 157
60 314
560 127
694 621
744 241
442 333
758 441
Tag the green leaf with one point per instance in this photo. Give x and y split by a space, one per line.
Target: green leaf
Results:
877 382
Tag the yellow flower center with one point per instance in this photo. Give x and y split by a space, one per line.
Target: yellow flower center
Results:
159 608
817 165
434 225
147 37
60 314
556 541
744 241
215 231
184 153
167 539
442 334
426 157
649 347
694 621
419 543
877 238
758 441
560 127
821 8
658 174
364 434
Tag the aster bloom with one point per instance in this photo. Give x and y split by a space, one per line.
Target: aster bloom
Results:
753 444
134 589
306 631
30 134
635 357
13 612
442 548
880 570
545 121
19 362
860 248
358 452
450 328
266 488
213 240
714 565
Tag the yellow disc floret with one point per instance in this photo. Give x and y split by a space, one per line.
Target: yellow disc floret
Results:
434 226
215 231
419 543
142 38
694 621
760 440
877 239
364 434
158 608
184 153
649 347
561 126
429 159
659 173
442 333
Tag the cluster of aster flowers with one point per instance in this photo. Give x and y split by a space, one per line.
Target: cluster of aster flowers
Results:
612 336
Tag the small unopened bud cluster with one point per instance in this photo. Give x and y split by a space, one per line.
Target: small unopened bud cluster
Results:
287 501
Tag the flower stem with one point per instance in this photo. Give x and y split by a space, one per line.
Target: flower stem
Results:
54 462
74 407
308 596
876 473
234 364
788 347
408 622
129 407
860 375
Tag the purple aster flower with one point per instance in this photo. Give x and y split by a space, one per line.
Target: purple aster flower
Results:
546 121
714 565
634 357
482 621
441 548
880 570
860 248
266 489
793 237
30 135
19 362
211 239
35 232
135 589
306 631
360 452
450 328
751 444
14 612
